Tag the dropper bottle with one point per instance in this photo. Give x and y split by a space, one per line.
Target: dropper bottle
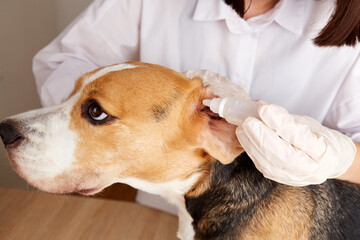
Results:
233 110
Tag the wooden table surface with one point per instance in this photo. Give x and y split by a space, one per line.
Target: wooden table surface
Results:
33 215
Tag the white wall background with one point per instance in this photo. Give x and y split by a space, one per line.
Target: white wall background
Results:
26 26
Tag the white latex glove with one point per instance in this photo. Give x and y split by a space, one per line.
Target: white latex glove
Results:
221 85
293 149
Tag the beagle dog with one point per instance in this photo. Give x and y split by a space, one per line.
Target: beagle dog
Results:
145 125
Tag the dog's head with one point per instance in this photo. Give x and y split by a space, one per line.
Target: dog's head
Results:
126 121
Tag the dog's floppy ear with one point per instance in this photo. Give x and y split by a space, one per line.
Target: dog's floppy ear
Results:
214 135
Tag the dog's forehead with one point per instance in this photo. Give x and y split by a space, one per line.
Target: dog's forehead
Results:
130 80
90 77
135 89
106 70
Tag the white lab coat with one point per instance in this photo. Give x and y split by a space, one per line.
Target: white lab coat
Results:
271 56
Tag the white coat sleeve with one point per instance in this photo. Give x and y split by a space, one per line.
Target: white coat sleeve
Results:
344 114
107 32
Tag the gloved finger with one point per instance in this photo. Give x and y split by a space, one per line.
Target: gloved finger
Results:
261 163
222 86
278 150
269 169
295 133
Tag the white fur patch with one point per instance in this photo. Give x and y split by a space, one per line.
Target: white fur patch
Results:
50 144
186 230
174 192
102 72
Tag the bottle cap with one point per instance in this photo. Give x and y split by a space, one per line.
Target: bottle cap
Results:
207 102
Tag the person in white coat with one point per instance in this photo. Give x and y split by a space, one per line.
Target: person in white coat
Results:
265 46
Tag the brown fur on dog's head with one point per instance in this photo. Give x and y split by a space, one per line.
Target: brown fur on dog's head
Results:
162 130
156 129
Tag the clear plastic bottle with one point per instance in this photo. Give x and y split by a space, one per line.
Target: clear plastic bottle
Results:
233 110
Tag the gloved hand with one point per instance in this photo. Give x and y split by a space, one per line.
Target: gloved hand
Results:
290 149
293 149
221 85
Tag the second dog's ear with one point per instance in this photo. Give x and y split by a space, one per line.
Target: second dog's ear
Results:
214 134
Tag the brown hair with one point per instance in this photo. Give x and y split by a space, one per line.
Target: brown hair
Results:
342 29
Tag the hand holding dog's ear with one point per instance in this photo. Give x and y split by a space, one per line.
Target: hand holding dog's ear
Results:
294 150
218 138
221 85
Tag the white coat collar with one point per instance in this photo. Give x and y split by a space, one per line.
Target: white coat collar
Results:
287 13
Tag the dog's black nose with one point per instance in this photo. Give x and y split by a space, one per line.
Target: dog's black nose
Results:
8 134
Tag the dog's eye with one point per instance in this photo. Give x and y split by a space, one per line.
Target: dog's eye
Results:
96 112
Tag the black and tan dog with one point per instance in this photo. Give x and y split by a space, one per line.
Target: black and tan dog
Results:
145 125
